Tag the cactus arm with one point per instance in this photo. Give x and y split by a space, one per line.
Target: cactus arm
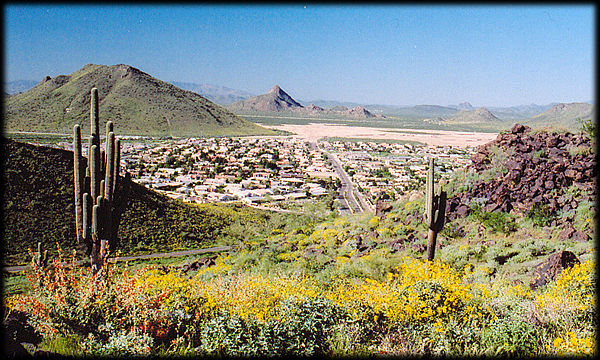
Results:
102 187
116 165
94 116
94 172
109 173
95 237
39 260
429 193
78 184
440 212
87 219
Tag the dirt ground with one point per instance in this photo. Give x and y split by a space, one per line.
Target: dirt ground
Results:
430 137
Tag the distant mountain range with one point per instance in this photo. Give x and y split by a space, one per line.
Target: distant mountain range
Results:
477 116
18 86
218 94
137 103
277 100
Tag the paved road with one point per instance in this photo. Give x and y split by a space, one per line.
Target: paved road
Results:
137 257
348 200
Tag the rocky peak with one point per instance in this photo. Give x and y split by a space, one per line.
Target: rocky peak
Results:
46 78
275 90
484 112
360 111
465 106
559 107
313 107
126 70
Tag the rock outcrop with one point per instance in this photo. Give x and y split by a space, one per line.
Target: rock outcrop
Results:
550 268
539 167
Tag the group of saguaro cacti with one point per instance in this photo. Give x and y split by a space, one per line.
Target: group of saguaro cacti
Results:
95 190
435 211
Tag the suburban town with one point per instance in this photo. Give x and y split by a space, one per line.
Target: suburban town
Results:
280 173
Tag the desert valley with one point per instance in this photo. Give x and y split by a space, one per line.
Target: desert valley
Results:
290 205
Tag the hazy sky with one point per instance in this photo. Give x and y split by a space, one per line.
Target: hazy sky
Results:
389 54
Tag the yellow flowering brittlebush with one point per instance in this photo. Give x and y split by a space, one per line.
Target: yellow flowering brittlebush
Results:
253 296
573 289
417 291
571 296
571 344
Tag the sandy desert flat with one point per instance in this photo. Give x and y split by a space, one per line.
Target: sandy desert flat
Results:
314 131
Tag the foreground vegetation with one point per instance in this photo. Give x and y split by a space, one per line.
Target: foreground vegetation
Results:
316 283
420 307
310 286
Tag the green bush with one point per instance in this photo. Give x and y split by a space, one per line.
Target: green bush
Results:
510 337
540 214
122 344
301 328
495 221
588 127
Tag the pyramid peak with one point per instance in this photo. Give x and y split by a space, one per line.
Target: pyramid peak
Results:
275 89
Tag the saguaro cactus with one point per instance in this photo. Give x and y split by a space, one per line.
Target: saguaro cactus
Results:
94 194
435 211
39 260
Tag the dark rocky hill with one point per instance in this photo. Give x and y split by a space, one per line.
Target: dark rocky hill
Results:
539 167
38 205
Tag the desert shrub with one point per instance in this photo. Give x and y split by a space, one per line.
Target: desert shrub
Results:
453 338
299 327
495 221
510 336
119 345
459 256
588 127
69 345
585 214
540 214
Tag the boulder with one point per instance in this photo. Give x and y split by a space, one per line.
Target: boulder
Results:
16 331
382 207
550 268
519 129
580 236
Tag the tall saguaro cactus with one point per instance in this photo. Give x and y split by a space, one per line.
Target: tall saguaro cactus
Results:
435 211
95 193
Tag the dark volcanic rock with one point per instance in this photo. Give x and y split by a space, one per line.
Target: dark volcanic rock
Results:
538 170
549 269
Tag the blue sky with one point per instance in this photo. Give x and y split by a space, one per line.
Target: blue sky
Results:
388 54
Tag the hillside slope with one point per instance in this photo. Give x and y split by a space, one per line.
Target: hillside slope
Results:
563 115
38 205
137 103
